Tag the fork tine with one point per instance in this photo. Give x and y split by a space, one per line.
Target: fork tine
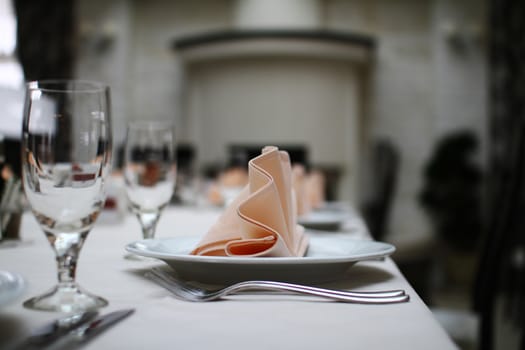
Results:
178 292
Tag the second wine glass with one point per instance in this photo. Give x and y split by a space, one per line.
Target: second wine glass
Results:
149 171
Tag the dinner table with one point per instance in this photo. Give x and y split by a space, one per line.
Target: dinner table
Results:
259 320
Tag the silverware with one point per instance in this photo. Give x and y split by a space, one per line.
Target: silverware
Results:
72 331
50 332
188 292
84 333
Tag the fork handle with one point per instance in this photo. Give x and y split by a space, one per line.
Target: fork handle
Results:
265 285
368 294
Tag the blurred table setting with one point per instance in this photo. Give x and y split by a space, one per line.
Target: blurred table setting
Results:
251 237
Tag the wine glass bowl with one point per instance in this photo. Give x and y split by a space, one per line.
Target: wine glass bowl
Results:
66 159
149 171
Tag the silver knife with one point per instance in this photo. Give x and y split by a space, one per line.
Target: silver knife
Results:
87 331
50 332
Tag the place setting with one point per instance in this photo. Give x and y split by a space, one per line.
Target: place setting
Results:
255 246
319 215
270 245
271 174
258 242
313 210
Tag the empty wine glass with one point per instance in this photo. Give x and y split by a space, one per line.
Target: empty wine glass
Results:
66 151
149 171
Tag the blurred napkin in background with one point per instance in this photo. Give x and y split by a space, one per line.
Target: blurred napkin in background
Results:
262 220
315 183
228 186
299 180
309 189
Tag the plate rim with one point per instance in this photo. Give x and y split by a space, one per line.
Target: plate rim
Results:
387 250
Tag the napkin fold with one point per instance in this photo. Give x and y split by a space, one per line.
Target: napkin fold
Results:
262 220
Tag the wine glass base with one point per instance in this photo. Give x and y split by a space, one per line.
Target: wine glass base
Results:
14 243
70 298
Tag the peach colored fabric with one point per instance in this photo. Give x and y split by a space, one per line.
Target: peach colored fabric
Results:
301 189
315 184
309 189
261 221
232 179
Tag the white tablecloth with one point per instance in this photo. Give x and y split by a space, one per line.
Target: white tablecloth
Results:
243 322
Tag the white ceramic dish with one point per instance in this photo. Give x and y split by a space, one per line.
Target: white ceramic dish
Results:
12 286
323 220
327 259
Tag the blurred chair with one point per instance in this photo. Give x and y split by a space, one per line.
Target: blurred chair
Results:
385 168
499 294
12 155
238 153
186 189
186 155
499 289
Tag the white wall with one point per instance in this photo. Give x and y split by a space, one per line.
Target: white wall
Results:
138 61
460 67
105 50
421 85
421 88
294 101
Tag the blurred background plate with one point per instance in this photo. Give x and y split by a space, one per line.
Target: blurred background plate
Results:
323 220
12 286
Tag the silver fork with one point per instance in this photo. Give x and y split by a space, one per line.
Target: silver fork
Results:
188 292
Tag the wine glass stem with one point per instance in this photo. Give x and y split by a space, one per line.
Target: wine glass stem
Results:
67 266
148 222
67 248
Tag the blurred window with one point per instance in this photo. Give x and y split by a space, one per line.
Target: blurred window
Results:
11 74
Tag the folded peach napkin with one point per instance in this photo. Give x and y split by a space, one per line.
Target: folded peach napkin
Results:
262 220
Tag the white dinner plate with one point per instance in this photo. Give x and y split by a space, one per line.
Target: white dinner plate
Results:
327 259
12 286
323 220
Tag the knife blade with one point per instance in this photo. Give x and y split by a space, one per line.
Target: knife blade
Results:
50 332
87 331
